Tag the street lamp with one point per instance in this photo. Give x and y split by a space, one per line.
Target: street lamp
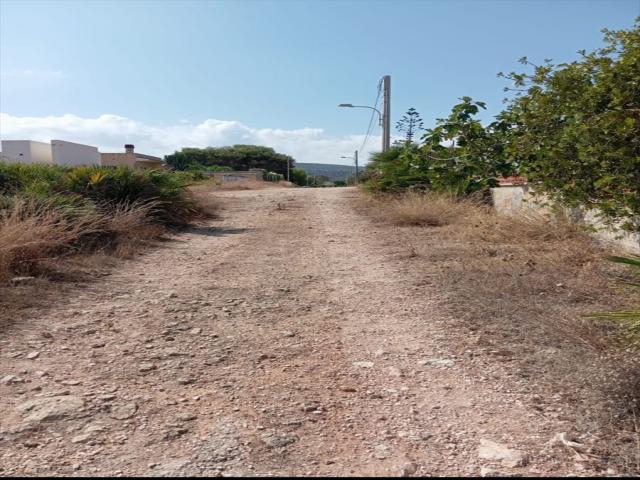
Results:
355 157
348 105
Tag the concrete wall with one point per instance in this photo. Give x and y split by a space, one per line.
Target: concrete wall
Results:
26 151
74 154
510 200
118 160
225 177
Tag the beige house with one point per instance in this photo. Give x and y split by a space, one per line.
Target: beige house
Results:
131 159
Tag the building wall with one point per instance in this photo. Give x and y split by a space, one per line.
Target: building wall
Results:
237 176
511 200
74 154
26 151
118 160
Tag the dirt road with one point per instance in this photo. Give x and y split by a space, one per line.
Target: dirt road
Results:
292 336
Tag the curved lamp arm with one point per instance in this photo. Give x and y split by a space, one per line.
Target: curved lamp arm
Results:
348 105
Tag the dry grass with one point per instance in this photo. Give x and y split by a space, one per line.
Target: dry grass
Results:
33 236
522 285
252 185
423 209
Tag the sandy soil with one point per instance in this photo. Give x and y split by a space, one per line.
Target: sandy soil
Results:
289 337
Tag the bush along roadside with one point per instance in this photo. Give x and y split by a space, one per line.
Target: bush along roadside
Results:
52 211
572 130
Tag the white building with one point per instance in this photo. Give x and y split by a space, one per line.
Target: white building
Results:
26 151
73 154
58 152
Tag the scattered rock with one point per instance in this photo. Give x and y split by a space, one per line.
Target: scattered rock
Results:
489 450
172 295
146 367
82 438
70 383
395 372
408 469
437 362
33 355
186 381
98 344
278 440
362 364
289 333
175 433
9 379
381 451
122 411
51 408
186 417
195 331
106 397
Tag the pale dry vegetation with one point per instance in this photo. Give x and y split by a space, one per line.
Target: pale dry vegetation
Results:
251 185
427 209
524 284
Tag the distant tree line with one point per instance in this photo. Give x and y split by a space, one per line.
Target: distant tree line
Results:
235 157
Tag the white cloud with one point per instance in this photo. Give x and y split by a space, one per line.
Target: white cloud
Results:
34 74
110 132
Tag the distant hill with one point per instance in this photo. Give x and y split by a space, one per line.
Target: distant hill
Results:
333 172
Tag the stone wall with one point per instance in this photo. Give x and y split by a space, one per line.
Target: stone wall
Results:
509 200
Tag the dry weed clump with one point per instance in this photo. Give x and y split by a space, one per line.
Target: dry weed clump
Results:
33 234
425 209
31 231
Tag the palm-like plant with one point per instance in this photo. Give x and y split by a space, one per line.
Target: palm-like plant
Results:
631 317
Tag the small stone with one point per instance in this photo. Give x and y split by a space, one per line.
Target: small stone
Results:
362 364
99 344
186 381
122 411
278 440
172 295
6 380
82 438
437 362
106 397
381 451
33 355
187 417
408 469
51 408
489 450
395 372
195 331
289 333
70 383
146 367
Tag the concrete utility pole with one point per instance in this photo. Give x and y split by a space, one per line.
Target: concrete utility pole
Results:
386 113
356 159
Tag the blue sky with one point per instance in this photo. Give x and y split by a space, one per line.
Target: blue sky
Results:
167 74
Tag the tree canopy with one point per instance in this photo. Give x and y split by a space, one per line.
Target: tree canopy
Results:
236 157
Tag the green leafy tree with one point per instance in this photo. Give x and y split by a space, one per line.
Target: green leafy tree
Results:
236 157
576 127
298 176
